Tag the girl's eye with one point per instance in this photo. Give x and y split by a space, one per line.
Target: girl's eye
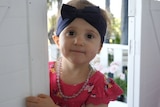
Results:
90 36
71 33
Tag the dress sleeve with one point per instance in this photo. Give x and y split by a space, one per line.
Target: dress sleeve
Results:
112 90
104 91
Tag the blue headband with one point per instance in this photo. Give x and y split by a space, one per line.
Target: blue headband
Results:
91 14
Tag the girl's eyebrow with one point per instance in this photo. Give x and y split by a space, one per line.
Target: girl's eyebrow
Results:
93 31
71 27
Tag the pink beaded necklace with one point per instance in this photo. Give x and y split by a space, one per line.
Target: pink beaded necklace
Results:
59 65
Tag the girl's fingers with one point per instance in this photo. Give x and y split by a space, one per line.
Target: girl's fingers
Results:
41 100
29 104
32 99
43 95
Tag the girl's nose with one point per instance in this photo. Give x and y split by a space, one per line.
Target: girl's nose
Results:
79 40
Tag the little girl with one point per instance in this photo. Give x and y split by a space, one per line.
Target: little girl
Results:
73 82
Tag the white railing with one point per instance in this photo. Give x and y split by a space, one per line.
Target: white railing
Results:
118 51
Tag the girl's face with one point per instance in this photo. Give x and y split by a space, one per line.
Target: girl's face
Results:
79 42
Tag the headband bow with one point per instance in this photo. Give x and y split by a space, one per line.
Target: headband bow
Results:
91 14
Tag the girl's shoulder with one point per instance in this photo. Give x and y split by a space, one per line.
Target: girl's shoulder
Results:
97 76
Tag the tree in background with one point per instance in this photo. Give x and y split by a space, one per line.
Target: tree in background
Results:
53 19
119 27
107 5
51 27
124 22
59 4
114 36
49 3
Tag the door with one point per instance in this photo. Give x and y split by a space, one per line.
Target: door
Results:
23 51
144 53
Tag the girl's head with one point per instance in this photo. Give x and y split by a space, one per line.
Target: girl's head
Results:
80 31
95 16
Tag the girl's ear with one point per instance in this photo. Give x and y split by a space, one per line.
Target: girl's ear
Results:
56 39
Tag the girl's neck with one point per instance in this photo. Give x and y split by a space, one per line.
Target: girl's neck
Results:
73 74
74 68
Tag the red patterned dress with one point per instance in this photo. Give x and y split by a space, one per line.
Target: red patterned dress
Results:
99 90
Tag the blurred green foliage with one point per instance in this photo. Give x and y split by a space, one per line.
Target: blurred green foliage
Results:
115 31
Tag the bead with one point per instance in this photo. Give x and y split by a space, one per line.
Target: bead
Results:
59 86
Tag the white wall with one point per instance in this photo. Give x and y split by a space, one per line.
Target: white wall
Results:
150 54
23 51
144 54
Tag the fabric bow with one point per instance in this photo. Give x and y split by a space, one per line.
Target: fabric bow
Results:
90 14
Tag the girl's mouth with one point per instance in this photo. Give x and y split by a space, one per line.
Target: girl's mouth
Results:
78 51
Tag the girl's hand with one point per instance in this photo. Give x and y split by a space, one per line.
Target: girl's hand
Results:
41 100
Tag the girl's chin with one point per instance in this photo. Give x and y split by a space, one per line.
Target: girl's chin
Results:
79 60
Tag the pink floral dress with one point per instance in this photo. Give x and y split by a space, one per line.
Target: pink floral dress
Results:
99 90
